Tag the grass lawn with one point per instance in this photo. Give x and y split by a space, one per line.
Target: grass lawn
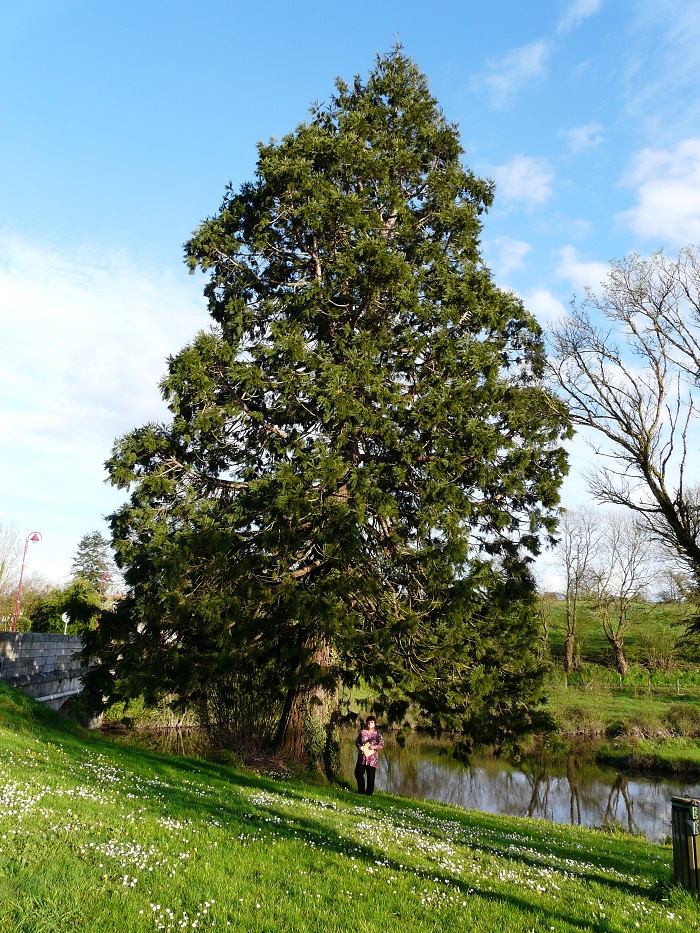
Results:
96 836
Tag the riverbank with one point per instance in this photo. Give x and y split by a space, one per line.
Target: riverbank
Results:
675 755
98 835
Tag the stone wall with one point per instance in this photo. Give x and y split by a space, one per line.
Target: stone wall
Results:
42 665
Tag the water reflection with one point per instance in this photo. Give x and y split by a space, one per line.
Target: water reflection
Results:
575 791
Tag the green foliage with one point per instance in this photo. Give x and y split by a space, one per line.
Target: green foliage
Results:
332 751
616 728
669 754
315 736
684 719
362 457
46 615
82 606
658 649
241 709
79 601
34 590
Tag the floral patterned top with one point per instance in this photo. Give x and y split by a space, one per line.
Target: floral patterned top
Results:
375 740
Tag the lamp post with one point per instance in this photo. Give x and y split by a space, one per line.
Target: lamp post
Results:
32 536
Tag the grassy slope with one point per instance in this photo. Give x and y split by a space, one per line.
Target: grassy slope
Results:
674 755
101 837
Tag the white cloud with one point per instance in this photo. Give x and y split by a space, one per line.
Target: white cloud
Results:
506 255
85 339
668 194
581 274
662 58
545 306
581 138
576 12
525 180
90 335
505 76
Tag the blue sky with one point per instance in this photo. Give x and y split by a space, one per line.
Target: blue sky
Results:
122 123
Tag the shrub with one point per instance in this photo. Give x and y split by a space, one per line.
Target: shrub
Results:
684 719
617 728
576 719
657 649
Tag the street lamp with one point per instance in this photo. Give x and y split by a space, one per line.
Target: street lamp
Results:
32 536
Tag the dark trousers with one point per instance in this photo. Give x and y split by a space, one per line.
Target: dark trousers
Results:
360 772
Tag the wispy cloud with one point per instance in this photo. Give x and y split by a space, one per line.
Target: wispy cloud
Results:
582 138
524 180
576 12
662 64
115 324
86 337
668 194
504 77
546 307
580 273
506 255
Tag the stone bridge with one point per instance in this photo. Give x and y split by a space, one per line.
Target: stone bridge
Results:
44 666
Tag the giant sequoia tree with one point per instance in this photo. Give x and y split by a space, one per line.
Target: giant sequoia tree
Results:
361 457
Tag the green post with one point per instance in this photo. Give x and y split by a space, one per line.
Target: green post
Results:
685 826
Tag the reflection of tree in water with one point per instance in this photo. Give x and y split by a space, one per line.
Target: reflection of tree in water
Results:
572 771
619 791
419 769
539 780
572 789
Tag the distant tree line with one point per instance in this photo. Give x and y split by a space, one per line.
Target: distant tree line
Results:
45 607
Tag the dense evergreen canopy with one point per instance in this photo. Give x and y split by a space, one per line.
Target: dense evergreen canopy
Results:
362 457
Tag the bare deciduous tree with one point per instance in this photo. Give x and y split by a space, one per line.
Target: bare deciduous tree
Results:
627 360
675 585
622 573
10 558
580 533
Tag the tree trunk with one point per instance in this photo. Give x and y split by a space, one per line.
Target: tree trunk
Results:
569 645
303 731
289 739
569 653
620 660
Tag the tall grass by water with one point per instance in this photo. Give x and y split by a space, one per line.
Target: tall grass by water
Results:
96 836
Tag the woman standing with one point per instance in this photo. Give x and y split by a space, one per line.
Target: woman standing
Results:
368 743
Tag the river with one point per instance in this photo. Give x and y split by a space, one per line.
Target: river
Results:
573 790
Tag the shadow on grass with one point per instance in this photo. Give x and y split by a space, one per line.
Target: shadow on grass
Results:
322 837
195 789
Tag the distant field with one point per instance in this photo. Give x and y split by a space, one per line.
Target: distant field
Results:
664 674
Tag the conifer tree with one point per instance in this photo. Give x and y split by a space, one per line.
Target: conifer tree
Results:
362 458
93 559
